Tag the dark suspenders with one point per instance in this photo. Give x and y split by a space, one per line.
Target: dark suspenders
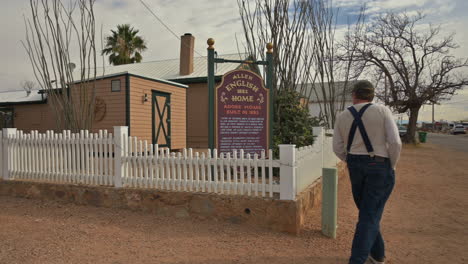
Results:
357 123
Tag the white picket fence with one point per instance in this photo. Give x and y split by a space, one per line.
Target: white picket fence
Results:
62 157
147 166
123 161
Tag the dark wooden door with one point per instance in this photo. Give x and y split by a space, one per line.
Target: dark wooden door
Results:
161 109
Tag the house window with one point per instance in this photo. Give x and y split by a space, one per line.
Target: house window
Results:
115 87
6 118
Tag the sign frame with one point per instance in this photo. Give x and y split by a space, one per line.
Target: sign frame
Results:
268 112
211 88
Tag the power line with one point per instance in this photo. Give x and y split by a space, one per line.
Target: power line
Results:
164 24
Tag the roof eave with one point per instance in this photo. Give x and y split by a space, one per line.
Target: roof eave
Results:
102 77
202 79
23 103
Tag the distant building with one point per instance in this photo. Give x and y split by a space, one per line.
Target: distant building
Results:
440 126
342 96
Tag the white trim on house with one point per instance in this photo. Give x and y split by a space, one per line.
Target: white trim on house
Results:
17 97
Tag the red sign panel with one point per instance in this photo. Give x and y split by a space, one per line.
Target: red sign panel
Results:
241 113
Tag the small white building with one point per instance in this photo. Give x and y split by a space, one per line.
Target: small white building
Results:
321 94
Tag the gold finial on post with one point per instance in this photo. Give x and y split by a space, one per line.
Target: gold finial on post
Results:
210 43
269 47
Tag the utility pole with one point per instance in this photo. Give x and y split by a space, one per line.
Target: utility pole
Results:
433 123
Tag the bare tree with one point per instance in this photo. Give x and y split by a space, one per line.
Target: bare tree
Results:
56 32
322 22
332 71
305 48
414 63
284 24
28 86
347 55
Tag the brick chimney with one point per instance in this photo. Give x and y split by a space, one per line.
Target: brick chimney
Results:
187 47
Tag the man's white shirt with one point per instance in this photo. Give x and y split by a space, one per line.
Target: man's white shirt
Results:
381 129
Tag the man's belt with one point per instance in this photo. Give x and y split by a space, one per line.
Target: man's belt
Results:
380 159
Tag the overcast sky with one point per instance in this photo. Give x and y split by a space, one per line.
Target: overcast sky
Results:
218 19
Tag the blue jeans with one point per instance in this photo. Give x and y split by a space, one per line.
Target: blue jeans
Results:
372 181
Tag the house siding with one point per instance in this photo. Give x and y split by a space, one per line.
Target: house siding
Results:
39 117
42 117
115 104
141 112
197 115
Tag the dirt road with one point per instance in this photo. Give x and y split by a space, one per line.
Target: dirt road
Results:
425 222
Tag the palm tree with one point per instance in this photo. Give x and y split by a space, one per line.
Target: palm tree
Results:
124 46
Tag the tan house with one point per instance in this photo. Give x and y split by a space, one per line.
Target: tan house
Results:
164 102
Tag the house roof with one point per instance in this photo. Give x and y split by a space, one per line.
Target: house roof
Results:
168 70
318 95
100 76
21 97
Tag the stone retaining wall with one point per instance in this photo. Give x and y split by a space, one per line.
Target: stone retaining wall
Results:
277 215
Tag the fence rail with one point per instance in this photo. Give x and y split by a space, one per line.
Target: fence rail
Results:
123 161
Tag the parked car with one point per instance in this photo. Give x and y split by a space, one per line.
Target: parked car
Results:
458 129
402 131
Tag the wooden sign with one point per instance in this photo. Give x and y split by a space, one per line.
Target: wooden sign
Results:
242 113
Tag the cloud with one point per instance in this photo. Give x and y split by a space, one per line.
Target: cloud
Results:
385 5
204 19
453 110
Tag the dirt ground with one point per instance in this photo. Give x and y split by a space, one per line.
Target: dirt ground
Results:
425 222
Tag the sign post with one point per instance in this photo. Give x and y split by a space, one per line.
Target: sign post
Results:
211 52
244 107
269 85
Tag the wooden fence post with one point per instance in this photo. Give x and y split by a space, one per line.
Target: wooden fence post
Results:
329 202
7 158
120 134
287 172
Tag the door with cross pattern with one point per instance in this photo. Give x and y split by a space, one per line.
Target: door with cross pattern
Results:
161 109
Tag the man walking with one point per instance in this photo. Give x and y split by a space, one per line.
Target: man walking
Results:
366 137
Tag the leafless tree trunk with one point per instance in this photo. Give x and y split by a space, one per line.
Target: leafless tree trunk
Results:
56 32
415 63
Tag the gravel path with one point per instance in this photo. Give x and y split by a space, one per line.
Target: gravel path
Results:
425 222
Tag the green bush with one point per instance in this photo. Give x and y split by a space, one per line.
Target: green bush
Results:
292 122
